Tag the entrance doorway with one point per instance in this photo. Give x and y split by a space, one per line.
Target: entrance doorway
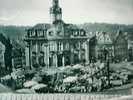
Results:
76 59
67 60
59 57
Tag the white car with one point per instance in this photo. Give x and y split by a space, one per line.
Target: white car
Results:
116 82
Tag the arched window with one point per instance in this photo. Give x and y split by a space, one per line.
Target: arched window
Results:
82 33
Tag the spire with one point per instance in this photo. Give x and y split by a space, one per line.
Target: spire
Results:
55 11
55 3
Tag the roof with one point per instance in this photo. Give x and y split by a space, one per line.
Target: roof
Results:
71 26
112 36
58 30
41 26
108 38
103 38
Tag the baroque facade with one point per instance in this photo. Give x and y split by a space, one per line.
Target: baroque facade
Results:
104 44
56 44
121 46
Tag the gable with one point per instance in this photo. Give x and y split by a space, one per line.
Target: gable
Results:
2 47
104 38
120 38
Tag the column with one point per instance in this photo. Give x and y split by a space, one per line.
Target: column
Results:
13 66
63 61
56 60
86 52
44 50
28 55
37 47
55 54
80 51
46 61
47 56
72 56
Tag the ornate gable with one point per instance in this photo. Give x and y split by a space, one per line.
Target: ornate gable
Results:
103 38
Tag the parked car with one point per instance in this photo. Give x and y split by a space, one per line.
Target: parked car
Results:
118 82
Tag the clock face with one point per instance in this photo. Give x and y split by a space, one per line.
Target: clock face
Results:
58 17
59 28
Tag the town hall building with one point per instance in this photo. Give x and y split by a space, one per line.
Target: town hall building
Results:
56 44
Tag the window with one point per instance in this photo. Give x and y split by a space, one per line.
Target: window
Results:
75 33
67 46
51 46
82 33
40 33
50 33
32 33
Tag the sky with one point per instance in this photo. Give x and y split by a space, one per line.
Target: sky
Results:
31 12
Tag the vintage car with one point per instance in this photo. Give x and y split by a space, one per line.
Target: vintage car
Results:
117 82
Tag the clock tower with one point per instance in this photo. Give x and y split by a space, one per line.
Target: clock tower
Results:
55 12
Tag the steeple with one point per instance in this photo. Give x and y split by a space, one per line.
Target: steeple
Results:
55 11
55 3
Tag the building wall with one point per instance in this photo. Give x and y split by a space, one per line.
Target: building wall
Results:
92 49
121 48
58 51
2 51
116 49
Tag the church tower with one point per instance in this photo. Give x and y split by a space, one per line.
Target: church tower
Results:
55 11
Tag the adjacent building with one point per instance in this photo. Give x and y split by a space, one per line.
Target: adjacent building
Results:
5 54
103 45
2 51
130 50
18 54
121 46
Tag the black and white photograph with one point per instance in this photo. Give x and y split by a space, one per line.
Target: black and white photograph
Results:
66 49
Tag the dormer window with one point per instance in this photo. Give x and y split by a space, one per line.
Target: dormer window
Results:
33 33
82 33
40 33
75 33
